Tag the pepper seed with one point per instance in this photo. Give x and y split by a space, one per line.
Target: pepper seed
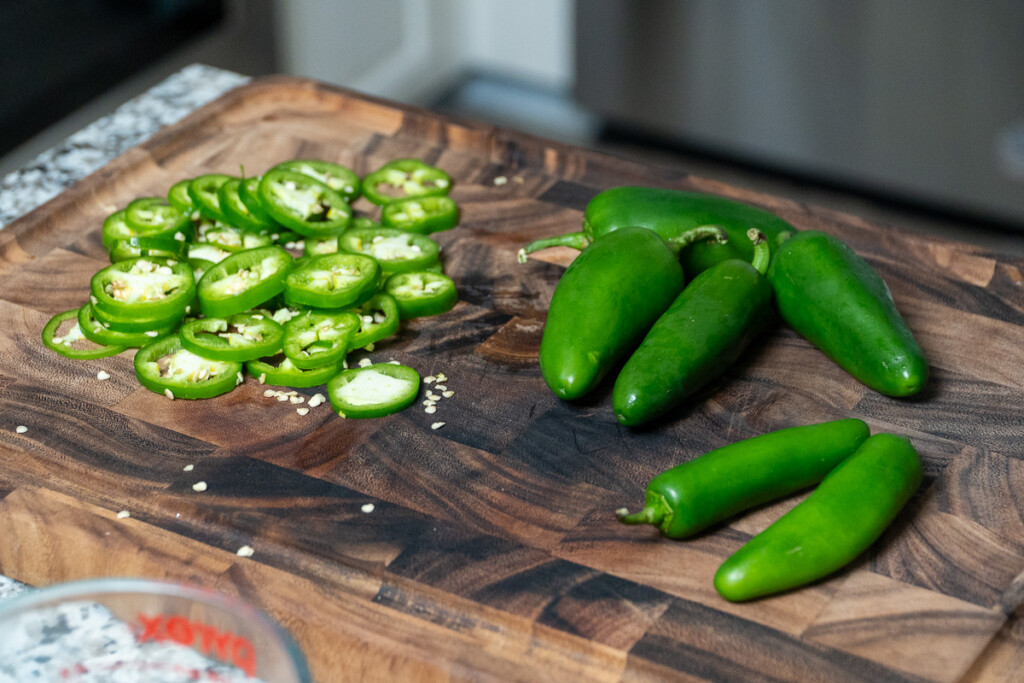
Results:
199 486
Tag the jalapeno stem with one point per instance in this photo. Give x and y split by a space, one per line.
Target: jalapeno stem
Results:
703 232
574 240
762 252
654 512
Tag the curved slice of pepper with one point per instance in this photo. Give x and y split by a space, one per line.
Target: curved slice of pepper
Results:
424 215
99 333
62 345
116 227
397 251
249 193
178 196
378 319
233 239
279 370
422 293
149 247
341 179
142 289
318 246
317 338
243 280
241 337
166 366
373 391
332 281
303 204
405 178
156 216
203 191
237 213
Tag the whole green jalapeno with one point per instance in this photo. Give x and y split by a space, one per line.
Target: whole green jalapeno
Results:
670 213
698 338
838 521
605 302
692 496
831 296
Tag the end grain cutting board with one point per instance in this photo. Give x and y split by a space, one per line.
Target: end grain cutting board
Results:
492 550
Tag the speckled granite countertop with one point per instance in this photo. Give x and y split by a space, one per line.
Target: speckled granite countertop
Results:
90 148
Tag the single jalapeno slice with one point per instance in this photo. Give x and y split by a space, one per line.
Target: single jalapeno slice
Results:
374 390
378 318
234 239
203 191
99 333
397 251
332 281
363 222
166 367
422 293
243 280
120 322
318 246
150 247
249 193
153 216
421 214
405 178
237 213
241 337
116 227
63 344
317 338
208 253
280 371
179 197
341 179
303 204
143 289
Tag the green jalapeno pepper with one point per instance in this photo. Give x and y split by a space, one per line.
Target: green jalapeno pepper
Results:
235 211
341 179
142 289
149 247
99 333
116 228
378 318
179 197
831 296
240 337
605 302
838 521
316 338
243 280
397 251
332 281
697 339
203 191
280 371
671 213
166 367
155 216
424 215
709 489
249 193
405 178
303 204
63 344
373 391
318 246
423 293
232 239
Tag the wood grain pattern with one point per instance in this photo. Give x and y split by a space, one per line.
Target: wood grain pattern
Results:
492 552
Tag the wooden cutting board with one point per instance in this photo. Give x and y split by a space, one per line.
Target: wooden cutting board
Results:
492 551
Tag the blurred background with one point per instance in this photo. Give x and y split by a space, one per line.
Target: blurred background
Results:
909 112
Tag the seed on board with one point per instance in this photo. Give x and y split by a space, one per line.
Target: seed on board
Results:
263 378
440 387
102 375
365 363
199 486
500 180
428 402
437 425
316 399
432 396
281 396
430 410
245 551
188 468
169 394
296 399
302 411
269 392
448 394
21 429
430 379
368 508
123 514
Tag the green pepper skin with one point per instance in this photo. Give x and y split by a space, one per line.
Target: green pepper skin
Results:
831 296
698 338
603 305
848 511
690 497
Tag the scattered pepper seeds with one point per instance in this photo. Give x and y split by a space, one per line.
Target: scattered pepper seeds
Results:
316 399
430 410
199 486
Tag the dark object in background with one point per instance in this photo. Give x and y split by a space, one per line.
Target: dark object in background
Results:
59 54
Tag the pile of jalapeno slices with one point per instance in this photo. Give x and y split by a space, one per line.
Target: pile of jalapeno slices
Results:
276 276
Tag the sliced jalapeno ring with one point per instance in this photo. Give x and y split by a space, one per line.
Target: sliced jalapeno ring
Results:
203 191
317 338
166 366
397 251
116 227
378 319
424 215
405 178
143 289
303 204
152 216
99 333
243 280
237 213
63 344
341 179
422 293
249 193
279 370
332 281
373 391
241 337
179 197
149 247
318 246
235 239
